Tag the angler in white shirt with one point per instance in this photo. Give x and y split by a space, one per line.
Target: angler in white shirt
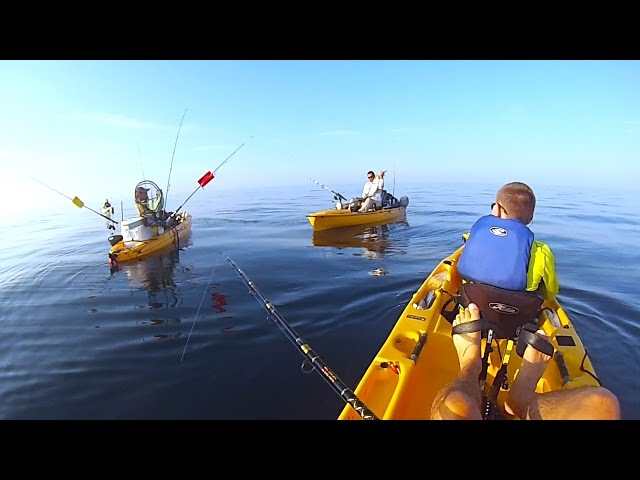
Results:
372 191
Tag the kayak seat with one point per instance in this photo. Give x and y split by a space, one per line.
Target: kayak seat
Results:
505 311
379 205
150 219
508 314
388 200
385 200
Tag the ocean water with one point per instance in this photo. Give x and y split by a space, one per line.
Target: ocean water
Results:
179 336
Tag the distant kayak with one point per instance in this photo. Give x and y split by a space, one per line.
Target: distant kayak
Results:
346 214
418 358
137 240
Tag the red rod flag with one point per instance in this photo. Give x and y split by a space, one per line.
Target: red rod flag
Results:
206 178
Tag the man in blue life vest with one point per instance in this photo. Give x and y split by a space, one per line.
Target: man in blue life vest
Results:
501 251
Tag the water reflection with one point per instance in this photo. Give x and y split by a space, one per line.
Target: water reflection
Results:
373 239
218 301
155 274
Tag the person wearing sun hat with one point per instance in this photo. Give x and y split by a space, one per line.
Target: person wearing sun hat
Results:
142 201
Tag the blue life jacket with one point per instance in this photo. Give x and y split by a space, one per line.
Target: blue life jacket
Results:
497 253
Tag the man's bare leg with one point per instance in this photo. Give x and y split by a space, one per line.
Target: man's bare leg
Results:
580 403
460 399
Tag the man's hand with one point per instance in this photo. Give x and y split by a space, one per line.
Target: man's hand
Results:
382 173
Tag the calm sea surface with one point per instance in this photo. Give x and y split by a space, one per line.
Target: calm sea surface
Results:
179 336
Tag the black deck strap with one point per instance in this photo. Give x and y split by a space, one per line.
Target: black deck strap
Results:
450 316
527 336
488 348
491 409
470 327
491 406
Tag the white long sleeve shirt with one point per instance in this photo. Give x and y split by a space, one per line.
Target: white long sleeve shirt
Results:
373 189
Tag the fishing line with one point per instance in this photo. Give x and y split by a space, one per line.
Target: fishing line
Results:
199 306
231 155
207 177
338 195
166 195
51 188
311 357
76 201
140 157
394 179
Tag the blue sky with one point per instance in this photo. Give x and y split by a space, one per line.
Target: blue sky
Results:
92 128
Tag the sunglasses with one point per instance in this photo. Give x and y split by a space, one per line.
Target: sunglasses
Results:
370 176
499 207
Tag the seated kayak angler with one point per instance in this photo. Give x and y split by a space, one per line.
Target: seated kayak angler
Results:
507 275
151 209
507 272
372 191
150 225
146 207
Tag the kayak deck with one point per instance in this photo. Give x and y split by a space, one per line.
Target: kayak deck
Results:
418 357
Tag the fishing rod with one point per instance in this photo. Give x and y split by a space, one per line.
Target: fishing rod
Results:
197 312
207 177
140 158
76 201
323 370
393 193
166 195
327 188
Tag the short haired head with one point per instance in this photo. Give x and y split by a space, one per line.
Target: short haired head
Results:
519 200
370 174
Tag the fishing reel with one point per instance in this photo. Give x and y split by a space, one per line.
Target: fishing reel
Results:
339 204
355 203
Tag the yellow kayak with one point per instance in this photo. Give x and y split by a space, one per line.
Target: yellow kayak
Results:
347 217
137 240
418 357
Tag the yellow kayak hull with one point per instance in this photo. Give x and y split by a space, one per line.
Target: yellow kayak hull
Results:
125 251
334 218
395 387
